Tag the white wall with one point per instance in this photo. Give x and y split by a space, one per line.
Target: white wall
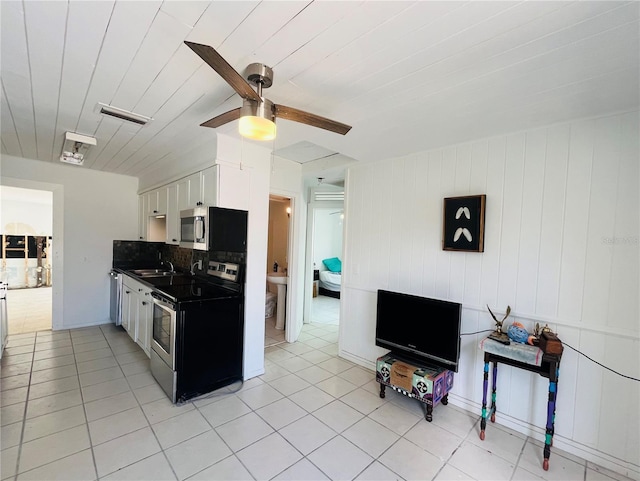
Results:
26 211
561 247
90 210
255 158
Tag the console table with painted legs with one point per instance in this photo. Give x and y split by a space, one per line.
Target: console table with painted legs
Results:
529 358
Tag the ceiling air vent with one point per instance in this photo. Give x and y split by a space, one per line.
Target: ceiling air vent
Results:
121 114
329 196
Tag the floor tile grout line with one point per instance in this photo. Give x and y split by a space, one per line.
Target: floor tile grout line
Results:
24 415
84 409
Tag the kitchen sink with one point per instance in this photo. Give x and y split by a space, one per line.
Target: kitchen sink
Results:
153 272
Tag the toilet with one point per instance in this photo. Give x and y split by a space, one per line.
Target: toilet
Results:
270 304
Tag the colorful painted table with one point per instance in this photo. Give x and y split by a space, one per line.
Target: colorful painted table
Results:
529 358
428 384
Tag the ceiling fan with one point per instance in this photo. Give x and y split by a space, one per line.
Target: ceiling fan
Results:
257 114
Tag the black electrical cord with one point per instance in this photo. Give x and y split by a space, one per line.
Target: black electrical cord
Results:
601 365
570 347
479 332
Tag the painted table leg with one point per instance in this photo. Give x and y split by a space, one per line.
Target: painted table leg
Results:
551 416
493 392
485 382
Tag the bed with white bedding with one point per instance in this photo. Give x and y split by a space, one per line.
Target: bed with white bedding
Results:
330 283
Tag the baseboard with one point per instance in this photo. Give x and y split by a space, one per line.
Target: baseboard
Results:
570 446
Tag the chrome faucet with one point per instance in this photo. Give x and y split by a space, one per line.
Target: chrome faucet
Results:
170 265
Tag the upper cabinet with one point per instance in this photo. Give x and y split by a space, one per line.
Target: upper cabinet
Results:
156 202
142 217
195 190
209 185
220 186
173 215
198 189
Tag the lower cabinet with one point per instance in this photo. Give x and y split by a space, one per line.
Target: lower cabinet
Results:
144 321
137 312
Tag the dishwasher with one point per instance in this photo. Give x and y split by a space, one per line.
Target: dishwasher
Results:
115 306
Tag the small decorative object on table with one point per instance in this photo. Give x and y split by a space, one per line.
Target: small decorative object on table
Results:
549 342
518 333
498 335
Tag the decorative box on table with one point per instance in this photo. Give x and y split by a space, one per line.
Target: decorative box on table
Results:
428 384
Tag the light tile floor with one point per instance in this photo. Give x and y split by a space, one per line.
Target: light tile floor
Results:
29 309
82 405
324 310
272 336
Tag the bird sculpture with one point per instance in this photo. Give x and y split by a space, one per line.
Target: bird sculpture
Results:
499 323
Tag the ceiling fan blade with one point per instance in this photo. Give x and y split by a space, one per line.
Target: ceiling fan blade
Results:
226 71
301 116
222 119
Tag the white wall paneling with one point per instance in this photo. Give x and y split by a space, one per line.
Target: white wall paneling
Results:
561 247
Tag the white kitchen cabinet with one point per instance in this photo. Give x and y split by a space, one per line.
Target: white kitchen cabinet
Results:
209 186
183 194
151 203
162 201
221 185
156 202
144 316
173 215
142 217
127 312
137 312
195 190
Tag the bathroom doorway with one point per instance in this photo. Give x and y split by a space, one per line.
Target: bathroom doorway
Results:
277 264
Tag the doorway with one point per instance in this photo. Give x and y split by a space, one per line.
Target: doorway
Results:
26 263
325 231
278 264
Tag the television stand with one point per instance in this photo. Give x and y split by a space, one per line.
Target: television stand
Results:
426 383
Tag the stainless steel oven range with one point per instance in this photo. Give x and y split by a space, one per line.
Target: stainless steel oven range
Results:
198 333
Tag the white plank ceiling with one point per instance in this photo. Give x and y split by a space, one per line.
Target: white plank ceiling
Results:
408 76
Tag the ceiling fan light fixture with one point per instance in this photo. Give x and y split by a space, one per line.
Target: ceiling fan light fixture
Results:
257 120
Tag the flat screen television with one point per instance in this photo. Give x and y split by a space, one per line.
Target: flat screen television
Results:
419 329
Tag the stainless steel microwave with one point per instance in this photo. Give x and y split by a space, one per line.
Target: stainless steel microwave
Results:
194 224
214 229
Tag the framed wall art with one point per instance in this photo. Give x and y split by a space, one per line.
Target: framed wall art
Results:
463 223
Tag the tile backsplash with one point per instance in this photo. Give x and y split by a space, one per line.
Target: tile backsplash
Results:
142 254
136 254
